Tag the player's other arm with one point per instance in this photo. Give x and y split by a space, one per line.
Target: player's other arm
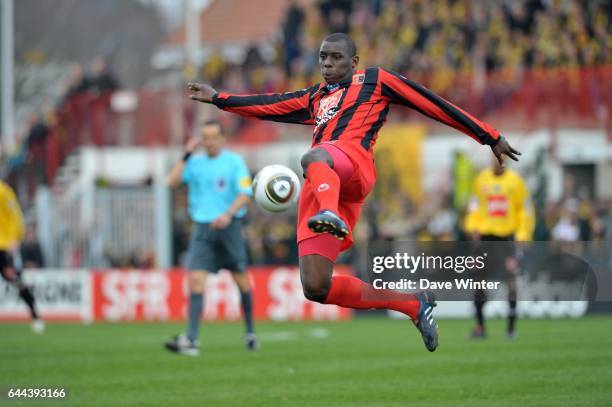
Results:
289 107
398 89
175 176
242 199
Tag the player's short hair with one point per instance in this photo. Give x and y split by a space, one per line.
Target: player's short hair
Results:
214 122
348 41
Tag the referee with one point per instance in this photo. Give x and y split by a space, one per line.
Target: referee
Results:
219 188
500 211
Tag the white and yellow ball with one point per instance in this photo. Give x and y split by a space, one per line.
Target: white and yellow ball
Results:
276 188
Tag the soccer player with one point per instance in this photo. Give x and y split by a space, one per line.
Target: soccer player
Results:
219 188
347 111
11 234
500 211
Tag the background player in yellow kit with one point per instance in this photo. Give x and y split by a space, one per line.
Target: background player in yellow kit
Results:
500 210
11 234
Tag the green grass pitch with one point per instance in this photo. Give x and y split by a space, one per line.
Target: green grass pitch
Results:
365 362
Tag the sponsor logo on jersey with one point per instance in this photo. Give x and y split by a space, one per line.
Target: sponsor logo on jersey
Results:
497 206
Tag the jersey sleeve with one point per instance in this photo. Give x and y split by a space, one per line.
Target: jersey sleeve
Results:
289 107
242 179
398 89
526 214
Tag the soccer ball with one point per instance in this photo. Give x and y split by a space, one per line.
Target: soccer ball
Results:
276 188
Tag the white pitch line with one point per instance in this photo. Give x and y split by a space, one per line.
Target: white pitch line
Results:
319 333
277 336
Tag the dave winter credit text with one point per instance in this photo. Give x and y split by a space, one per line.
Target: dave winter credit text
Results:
411 263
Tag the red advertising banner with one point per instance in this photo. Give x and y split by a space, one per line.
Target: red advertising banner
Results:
138 295
153 295
161 296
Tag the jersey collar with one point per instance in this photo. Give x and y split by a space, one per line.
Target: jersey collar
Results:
345 83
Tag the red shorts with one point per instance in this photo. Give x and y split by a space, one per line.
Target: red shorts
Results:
353 193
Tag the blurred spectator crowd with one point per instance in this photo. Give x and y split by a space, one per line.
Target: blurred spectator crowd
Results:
52 133
432 39
90 86
435 41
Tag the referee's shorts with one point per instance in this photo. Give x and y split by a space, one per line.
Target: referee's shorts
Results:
214 249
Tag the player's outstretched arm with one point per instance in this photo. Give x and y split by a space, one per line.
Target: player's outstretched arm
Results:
289 107
398 89
201 92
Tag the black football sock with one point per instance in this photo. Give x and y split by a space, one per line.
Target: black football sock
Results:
512 316
479 302
247 308
196 304
28 298
479 315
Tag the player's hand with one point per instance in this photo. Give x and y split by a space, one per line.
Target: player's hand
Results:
201 92
192 144
221 222
501 148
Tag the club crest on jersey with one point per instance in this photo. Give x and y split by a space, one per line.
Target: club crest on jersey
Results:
328 107
221 184
359 78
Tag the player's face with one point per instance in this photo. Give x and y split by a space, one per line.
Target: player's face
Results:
335 62
212 139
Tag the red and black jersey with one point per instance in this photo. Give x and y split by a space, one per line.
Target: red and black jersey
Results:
351 113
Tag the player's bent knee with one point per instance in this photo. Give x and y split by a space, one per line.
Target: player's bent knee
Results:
315 288
315 155
315 292
315 274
